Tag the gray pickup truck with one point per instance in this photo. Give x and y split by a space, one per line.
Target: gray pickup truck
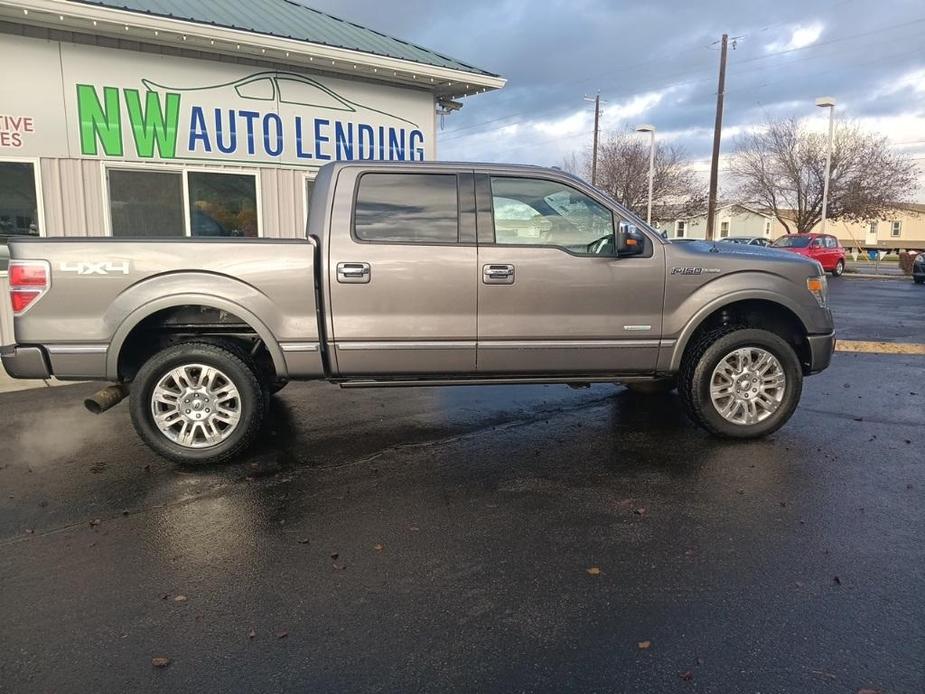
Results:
414 275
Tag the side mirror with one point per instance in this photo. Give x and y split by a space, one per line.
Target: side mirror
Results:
630 240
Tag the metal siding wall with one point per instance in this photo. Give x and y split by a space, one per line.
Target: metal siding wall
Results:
282 197
73 197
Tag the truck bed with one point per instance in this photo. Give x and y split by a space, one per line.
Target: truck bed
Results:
102 288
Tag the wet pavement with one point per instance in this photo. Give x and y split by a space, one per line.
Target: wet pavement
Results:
481 539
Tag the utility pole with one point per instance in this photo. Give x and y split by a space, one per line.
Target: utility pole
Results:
597 121
717 136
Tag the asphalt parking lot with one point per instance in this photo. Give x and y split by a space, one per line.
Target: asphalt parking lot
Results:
481 539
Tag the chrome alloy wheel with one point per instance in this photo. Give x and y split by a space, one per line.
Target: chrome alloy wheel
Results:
747 385
196 406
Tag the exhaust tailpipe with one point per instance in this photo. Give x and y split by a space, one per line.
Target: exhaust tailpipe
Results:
109 397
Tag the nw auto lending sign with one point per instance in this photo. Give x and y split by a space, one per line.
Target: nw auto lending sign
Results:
136 106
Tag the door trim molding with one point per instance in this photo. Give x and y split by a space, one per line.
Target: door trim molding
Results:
349 346
565 344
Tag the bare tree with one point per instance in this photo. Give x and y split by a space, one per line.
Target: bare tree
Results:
782 168
623 171
570 163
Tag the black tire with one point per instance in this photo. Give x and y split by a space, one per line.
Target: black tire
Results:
839 269
240 371
275 386
919 280
655 387
697 368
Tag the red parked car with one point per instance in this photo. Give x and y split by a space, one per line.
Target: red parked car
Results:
822 247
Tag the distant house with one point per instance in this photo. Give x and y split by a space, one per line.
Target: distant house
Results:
903 228
733 219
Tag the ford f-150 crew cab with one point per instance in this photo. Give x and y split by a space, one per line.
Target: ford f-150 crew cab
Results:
417 274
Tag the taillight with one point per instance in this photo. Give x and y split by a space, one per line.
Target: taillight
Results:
29 280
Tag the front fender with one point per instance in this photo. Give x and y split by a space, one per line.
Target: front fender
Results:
683 320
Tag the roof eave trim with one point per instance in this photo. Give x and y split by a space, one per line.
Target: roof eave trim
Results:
264 46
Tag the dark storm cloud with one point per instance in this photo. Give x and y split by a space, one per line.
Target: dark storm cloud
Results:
655 61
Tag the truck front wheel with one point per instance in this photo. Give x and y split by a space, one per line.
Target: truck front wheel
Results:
740 383
197 403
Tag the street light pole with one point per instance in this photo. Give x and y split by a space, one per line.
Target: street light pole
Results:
648 128
829 103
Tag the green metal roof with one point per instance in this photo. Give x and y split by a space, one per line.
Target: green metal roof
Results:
290 20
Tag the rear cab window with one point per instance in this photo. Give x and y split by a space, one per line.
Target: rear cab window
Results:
407 208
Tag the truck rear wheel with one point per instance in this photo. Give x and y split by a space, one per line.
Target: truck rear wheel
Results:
740 383
198 403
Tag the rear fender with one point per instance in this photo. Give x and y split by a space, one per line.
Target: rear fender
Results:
164 292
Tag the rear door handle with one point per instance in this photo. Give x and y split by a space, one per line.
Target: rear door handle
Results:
353 273
498 274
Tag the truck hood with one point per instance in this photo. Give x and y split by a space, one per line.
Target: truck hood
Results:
722 258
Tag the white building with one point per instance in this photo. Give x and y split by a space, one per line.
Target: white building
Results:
154 118
731 220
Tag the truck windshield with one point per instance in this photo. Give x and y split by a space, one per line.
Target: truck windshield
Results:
792 242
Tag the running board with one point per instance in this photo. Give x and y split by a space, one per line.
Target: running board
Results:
516 381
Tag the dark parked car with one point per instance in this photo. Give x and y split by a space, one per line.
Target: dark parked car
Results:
748 240
918 269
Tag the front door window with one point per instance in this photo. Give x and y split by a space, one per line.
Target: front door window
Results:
535 212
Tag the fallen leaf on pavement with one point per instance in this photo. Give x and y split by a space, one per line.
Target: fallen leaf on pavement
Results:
180 598
160 661
869 691
338 567
334 556
639 511
303 541
837 580
687 676
644 645
251 634
378 548
282 634
594 571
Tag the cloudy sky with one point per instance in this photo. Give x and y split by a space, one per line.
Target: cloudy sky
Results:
656 61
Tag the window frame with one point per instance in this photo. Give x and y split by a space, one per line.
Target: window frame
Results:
682 225
896 229
157 167
724 229
356 193
37 176
613 218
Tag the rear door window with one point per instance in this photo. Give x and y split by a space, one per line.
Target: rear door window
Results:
407 208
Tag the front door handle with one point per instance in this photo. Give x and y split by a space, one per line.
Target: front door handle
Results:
498 274
353 273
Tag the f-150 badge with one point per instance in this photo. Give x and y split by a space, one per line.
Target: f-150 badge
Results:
96 268
695 270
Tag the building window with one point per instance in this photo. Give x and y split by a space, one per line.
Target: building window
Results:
767 228
536 212
723 229
222 204
896 228
146 203
872 229
679 229
19 199
407 208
